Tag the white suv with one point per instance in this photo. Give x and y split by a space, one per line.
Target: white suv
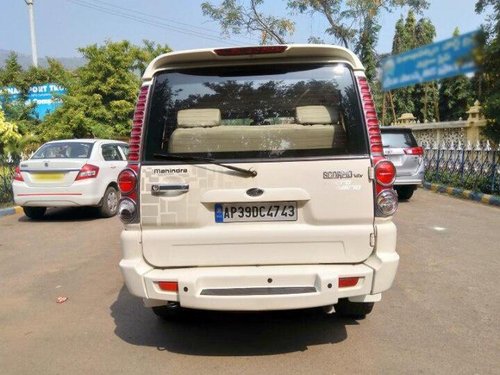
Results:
75 172
256 181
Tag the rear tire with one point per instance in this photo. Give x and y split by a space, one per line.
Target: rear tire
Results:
354 310
405 192
110 200
169 312
35 213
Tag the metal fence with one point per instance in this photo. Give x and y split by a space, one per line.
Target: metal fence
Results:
464 166
7 168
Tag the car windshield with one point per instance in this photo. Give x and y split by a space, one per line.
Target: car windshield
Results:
64 150
285 110
398 140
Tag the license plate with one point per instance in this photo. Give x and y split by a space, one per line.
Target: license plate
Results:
42 177
262 211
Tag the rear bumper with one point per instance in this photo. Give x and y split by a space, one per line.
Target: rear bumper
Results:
415 179
254 288
84 193
408 181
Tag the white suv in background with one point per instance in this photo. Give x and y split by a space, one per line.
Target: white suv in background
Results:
76 172
401 148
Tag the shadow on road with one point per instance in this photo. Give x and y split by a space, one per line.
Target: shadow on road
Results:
63 214
226 334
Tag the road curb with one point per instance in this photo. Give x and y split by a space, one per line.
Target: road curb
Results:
492 200
10 211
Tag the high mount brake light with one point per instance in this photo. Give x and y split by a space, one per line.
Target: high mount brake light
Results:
17 174
241 51
370 113
137 125
87 171
417 151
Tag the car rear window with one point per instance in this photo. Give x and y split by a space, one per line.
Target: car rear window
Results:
398 139
64 150
242 112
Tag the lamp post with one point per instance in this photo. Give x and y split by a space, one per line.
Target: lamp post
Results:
34 54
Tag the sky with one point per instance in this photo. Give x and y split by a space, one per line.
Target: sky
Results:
64 25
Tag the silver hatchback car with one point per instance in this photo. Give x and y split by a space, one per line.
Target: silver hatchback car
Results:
402 149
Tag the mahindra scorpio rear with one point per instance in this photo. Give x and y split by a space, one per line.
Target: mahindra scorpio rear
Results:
256 181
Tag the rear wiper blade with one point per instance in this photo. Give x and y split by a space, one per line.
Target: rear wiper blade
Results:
246 172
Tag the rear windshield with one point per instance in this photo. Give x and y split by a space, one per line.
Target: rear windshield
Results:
280 111
398 139
64 150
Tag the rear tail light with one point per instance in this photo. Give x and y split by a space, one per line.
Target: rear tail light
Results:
386 199
240 51
385 173
87 171
17 174
417 151
128 209
127 181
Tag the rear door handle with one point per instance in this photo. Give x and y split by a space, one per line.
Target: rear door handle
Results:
161 188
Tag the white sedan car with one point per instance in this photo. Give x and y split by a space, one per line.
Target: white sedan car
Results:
76 172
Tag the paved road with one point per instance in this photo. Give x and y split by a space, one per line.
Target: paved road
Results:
442 315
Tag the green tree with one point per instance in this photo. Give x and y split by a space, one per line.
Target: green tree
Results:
397 41
455 95
347 18
409 38
489 61
365 47
10 137
145 54
100 99
55 72
236 18
16 111
420 100
12 75
426 95
12 72
404 40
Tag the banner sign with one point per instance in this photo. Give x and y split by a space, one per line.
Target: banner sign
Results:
448 58
46 97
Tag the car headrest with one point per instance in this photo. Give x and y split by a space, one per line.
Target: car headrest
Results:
316 114
193 118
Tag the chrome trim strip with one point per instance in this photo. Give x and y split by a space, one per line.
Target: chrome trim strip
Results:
263 291
51 170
